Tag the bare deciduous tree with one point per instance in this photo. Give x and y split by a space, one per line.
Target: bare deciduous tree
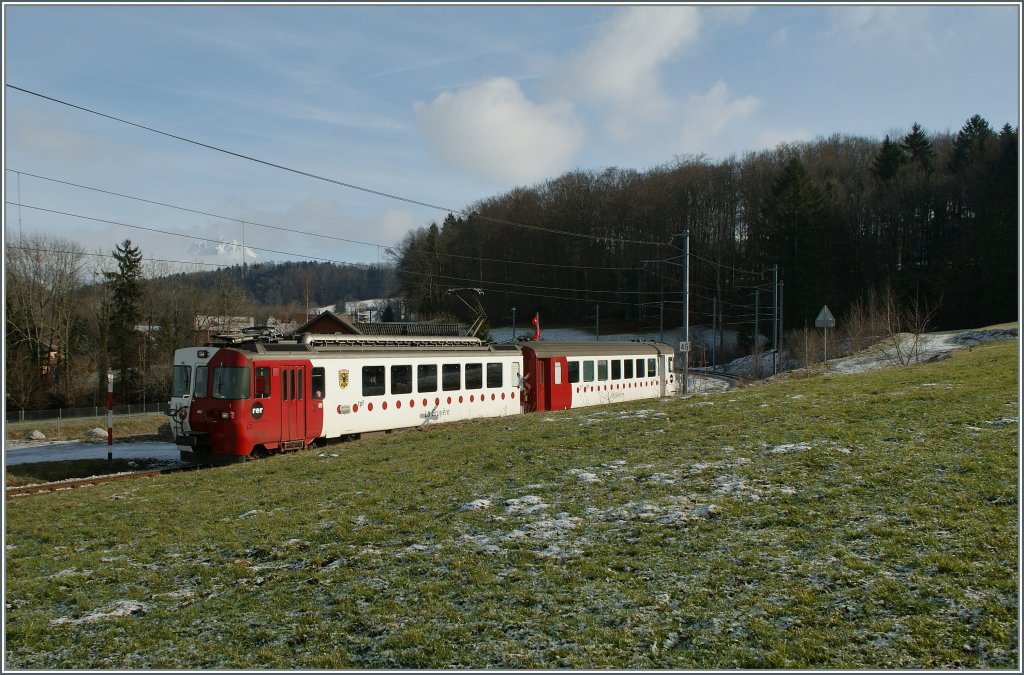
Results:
42 277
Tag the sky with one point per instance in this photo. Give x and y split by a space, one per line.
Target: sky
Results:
328 132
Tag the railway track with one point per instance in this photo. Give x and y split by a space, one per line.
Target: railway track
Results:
72 484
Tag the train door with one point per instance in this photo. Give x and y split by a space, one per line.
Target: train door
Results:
557 392
293 405
665 374
538 387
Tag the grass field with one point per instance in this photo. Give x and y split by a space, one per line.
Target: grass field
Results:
125 426
859 521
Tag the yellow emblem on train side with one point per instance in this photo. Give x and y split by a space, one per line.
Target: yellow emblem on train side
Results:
343 379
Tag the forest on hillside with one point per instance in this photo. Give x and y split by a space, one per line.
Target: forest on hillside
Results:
289 287
930 219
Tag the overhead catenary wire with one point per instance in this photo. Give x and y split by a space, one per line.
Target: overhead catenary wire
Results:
185 236
199 212
352 186
109 255
311 234
461 280
380 193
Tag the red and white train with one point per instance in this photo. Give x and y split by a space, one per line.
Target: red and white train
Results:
232 402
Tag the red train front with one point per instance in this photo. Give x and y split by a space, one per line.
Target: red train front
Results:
253 405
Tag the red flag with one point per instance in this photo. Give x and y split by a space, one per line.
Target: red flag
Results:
536 326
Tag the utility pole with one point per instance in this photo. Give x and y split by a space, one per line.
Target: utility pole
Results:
686 310
513 324
775 319
661 322
781 284
757 317
597 323
714 318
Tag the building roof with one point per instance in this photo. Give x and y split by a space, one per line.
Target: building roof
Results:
345 325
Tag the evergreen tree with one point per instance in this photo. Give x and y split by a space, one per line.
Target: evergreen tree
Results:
918 148
126 290
798 241
888 161
970 142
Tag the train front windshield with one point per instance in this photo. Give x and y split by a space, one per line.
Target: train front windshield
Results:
181 387
231 382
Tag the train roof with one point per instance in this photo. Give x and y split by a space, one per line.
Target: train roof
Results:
546 349
282 351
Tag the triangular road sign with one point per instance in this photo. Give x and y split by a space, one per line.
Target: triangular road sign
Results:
825 319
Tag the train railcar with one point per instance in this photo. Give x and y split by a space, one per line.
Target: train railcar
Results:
263 397
562 375
190 372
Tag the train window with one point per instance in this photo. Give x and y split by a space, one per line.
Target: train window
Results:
516 375
401 379
602 370
616 369
494 375
373 380
574 371
318 383
426 378
628 364
285 391
588 371
558 372
474 376
231 383
300 383
263 383
652 367
640 368
451 376
202 381
182 381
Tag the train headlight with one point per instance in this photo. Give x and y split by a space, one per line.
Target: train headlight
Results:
227 414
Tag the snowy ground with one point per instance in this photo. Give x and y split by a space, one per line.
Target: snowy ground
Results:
887 353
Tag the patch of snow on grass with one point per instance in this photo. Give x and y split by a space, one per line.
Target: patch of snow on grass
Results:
476 505
584 476
787 448
527 504
121 608
72 572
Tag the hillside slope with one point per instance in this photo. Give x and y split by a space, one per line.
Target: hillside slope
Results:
855 521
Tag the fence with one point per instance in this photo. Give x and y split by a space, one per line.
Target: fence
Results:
99 412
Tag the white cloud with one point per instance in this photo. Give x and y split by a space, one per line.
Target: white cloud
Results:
494 129
708 115
871 25
621 66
